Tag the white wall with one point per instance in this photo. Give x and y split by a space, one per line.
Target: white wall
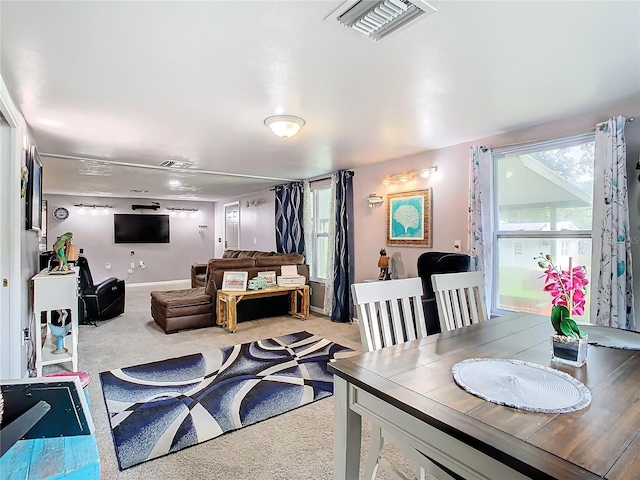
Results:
450 192
450 197
256 228
164 261
19 247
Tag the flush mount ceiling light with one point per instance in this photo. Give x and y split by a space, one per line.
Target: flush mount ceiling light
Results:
284 126
378 19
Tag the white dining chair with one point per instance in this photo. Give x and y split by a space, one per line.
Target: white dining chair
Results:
390 312
460 299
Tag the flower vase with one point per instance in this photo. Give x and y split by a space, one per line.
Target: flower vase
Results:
569 350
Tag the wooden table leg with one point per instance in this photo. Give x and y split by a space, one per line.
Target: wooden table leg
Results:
231 313
221 309
294 303
304 304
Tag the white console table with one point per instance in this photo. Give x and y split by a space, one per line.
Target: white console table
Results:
55 292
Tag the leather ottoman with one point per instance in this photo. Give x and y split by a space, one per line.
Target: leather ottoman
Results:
176 310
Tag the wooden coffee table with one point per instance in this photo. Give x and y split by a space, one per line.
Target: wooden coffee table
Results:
228 299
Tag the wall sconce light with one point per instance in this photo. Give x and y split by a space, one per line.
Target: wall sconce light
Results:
174 209
406 176
182 211
374 200
254 202
93 208
284 126
425 173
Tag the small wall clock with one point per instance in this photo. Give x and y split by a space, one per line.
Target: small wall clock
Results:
60 213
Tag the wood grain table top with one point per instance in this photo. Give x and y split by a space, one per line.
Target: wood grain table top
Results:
600 441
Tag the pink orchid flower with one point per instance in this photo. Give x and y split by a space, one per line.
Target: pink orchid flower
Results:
563 285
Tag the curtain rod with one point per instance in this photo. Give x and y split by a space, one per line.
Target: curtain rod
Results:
517 144
318 179
310 181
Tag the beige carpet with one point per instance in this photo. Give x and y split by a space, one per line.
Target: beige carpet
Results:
295 446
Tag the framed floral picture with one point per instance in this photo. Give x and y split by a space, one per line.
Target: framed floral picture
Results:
270 277
235 281
409 218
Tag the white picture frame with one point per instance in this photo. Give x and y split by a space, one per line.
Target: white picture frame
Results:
236 281
270 277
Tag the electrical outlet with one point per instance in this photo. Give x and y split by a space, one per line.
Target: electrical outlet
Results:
133 264
457 245
142 264
108 266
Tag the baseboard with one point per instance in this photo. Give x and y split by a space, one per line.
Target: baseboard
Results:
321 312
166 282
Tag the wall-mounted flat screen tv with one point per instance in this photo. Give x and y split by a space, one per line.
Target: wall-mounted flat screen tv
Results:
132 228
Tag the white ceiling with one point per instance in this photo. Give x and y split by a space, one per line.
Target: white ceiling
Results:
134 83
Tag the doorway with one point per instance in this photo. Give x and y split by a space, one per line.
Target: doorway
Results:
9 366
232 226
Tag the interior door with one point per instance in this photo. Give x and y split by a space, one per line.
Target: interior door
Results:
231 226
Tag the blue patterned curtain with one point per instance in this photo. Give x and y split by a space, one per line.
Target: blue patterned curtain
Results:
611 277
480 240
342 183
289 230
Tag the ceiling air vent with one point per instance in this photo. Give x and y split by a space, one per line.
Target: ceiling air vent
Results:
176 164
379 19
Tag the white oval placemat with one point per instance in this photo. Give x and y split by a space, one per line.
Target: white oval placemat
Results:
523 385
611 337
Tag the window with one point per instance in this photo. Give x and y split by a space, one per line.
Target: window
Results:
518 249
543 198
321 197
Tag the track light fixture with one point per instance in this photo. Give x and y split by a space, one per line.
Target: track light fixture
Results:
406 176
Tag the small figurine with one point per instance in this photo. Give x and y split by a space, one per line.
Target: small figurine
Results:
383 263
61 247
257 283
60 327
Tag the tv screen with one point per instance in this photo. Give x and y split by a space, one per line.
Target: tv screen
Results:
131 228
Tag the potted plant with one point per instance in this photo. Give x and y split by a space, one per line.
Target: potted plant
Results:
568 297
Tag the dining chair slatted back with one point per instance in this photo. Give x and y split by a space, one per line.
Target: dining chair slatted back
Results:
460 299
389 312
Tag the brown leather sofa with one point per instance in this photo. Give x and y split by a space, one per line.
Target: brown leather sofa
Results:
199 270
175 310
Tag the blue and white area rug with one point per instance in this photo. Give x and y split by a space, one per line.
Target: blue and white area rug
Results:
162 407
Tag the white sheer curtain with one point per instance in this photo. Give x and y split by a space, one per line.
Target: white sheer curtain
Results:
611 276
307 221
480 241
328 283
